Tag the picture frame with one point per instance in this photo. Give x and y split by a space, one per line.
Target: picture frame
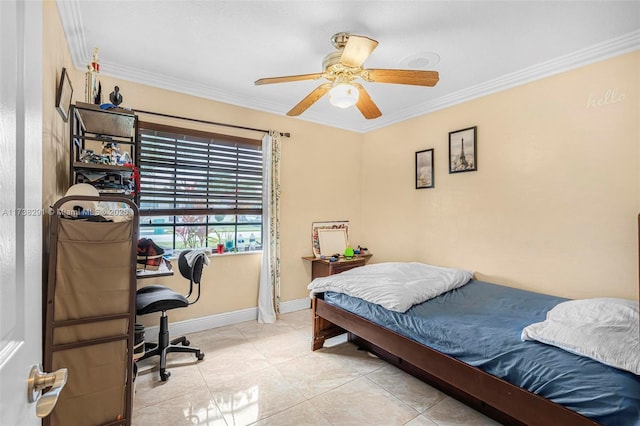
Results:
463 152
317 226
424 169
64 95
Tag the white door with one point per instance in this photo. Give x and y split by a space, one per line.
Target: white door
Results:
20 205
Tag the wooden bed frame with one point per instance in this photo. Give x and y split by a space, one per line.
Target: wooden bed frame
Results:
498 399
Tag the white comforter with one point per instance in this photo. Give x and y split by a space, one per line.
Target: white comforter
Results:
396 286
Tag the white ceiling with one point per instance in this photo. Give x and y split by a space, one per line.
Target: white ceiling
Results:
217 49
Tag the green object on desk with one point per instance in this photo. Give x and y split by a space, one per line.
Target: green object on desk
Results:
348 253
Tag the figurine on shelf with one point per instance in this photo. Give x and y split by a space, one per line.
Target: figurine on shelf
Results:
95 65
125 159
98 98
92 86
87 156
111 151
115 97
348 252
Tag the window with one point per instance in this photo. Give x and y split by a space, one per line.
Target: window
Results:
200 189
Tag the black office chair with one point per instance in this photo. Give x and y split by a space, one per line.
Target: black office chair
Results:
158 298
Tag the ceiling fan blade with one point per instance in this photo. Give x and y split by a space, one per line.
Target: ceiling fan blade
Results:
311 98
288 78
357 50
413 77
366 106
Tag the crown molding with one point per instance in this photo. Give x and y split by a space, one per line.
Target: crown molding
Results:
203 91
614 47
72 23
71 19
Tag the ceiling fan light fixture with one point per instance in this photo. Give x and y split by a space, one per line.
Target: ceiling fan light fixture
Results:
343 95
343 67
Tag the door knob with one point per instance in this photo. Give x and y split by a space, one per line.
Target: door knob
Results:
50 383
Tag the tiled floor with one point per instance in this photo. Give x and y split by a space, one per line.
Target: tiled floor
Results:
266 374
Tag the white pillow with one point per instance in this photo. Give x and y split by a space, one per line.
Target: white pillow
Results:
396 286
604 329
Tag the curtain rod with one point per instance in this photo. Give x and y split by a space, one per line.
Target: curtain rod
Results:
286 135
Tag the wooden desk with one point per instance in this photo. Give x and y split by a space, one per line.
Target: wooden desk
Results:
163 271
323 268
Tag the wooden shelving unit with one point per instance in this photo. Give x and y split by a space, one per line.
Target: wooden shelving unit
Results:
91 128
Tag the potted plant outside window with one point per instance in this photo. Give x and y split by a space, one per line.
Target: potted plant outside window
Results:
217 240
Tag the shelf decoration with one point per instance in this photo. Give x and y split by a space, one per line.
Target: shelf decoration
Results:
317 226
93 89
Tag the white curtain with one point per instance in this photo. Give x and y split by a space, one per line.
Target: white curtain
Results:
269 289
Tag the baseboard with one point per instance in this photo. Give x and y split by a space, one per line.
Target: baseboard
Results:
195 325
295 305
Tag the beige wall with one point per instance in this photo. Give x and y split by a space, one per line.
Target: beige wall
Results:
554 202
313 154
552 208
55 132
308 157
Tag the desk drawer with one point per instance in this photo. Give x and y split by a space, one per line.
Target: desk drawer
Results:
337 267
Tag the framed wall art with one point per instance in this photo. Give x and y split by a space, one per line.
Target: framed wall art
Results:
463 155
424 169
64 95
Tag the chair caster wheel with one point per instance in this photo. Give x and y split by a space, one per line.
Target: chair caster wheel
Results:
164 375
186 343
200 356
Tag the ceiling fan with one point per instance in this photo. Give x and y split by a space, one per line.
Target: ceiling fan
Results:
342 68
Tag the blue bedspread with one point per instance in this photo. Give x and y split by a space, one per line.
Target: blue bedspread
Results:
480 324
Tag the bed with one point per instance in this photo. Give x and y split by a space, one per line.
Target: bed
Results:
515 382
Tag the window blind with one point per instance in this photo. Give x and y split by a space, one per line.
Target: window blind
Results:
185 171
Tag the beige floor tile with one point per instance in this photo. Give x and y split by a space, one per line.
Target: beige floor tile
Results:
266 374
253 330
421 420
217 338
297 319
362 402
254 395
150 390
351 357
407 388
313 375
224 364
195 407
284 347
303 414
450 412
149 369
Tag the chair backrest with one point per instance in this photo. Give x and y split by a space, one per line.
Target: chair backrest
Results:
193 273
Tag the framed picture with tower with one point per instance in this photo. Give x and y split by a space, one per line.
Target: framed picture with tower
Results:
463 155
